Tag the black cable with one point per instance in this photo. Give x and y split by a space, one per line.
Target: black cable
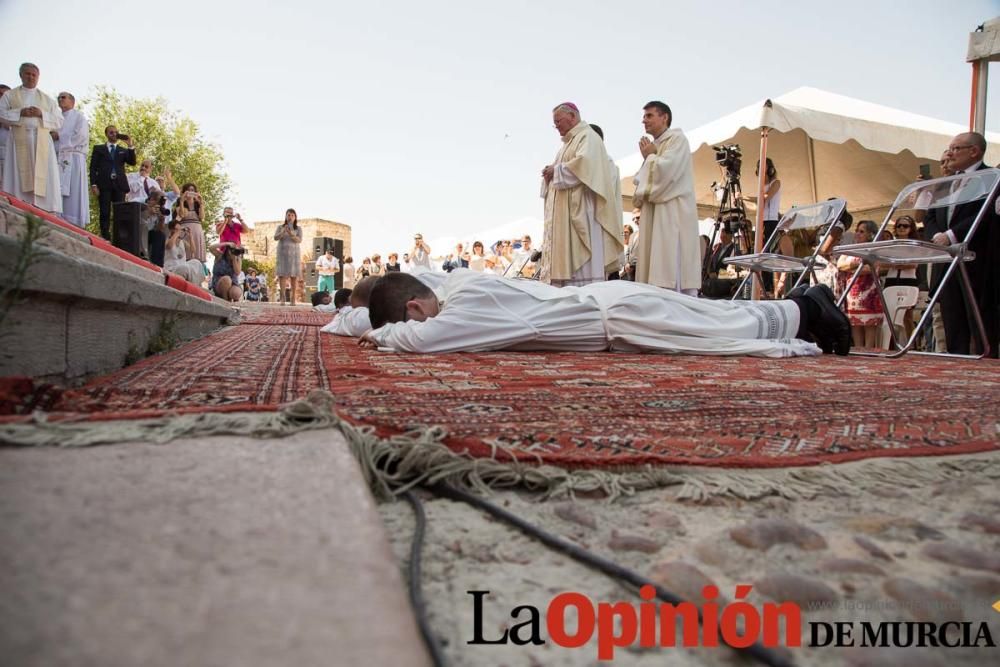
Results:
757 651
416 597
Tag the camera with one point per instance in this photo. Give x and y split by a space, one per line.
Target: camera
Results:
730 157
238 251
122 137
734 223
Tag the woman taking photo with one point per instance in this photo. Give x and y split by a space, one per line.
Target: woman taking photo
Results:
191 213
289 260
178 258
226 271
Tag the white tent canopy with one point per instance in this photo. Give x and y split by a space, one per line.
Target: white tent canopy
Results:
823 145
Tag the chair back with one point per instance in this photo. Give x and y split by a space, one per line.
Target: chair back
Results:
898 300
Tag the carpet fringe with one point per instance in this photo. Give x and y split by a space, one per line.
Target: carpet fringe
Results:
393 465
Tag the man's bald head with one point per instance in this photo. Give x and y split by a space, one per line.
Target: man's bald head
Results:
965 150
359 297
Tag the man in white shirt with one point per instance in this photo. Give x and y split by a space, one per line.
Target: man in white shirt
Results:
141 182
327 267
72 141
475 312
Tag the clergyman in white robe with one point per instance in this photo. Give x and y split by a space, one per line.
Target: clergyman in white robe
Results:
31 170
71 149
582 235
668 253
481 312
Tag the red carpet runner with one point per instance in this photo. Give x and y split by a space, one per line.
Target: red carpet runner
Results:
574 410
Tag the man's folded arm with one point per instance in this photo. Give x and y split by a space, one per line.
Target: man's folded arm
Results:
468 324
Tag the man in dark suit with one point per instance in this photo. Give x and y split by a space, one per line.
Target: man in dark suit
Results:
108 179
965 155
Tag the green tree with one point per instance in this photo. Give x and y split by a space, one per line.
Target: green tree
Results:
169 139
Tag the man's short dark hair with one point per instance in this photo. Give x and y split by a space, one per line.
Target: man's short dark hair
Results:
362 289
317 297
662 108
387 302
341 297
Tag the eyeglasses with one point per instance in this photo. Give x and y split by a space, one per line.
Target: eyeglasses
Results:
953 149
902 225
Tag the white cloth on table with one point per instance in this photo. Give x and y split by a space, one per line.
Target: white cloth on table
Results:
71 150
482 312
36 137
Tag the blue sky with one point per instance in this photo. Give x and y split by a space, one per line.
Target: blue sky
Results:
396 117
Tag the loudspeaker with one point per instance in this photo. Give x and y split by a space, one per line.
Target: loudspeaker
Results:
125 226
320 244
338 252
309 275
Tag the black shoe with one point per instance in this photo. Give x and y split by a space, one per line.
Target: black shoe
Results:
798 291
832 329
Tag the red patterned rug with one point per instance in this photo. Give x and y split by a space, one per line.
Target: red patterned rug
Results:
574 410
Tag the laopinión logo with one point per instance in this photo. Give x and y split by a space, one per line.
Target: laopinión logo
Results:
738 624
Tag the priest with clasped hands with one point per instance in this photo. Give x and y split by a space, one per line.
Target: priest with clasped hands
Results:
31 170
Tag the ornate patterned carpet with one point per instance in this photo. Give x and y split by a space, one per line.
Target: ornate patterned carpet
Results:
574 410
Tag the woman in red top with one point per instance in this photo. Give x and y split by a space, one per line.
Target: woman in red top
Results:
230 227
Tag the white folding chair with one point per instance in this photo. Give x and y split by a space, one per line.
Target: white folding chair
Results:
898 300
946 193
822 215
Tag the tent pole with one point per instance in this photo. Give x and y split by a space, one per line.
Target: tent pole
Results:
812 168
976 65
980 83
758 229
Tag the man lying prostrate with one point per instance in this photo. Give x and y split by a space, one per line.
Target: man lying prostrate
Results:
475 312
352 320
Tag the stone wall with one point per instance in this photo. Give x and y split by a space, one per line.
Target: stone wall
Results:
83 311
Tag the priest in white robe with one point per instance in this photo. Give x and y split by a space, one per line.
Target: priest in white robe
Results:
477 312
31 170
72 142
583 221
669 255
4 134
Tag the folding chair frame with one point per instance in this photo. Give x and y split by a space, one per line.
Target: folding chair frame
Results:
957 255
757 263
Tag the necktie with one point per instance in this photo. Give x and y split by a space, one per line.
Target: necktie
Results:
145 185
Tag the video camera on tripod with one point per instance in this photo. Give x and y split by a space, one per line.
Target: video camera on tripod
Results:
729 158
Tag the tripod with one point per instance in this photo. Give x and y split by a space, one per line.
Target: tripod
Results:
733 214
